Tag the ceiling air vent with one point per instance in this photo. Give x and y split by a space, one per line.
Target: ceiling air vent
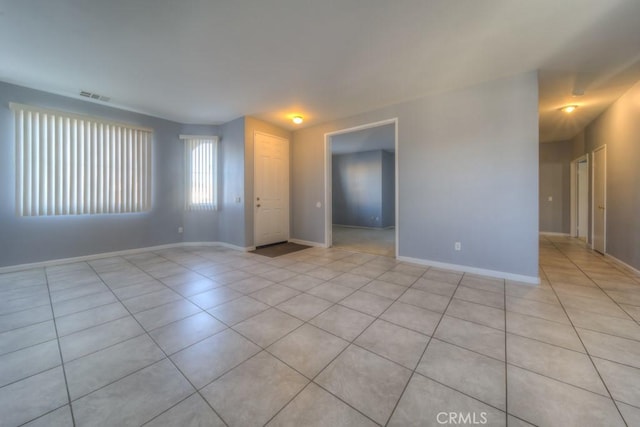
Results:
94 96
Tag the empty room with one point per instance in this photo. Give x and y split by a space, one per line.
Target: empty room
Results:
329 213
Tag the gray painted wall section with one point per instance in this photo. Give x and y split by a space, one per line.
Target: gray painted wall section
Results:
230 219
555 182
619 128
467 170
388 189
357 189
33 239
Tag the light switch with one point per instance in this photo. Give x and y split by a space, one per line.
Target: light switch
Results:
318 205
550 199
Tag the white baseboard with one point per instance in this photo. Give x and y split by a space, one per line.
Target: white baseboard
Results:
474 270
624 264
308 243
553 233
83 258
219 244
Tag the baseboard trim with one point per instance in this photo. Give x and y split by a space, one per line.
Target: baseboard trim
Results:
308 243
84 258
624 264
474 270
553 233
219 244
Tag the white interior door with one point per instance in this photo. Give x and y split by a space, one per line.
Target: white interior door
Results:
583 200
600 199
271 189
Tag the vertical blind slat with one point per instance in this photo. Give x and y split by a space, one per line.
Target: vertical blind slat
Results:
200 173
70 165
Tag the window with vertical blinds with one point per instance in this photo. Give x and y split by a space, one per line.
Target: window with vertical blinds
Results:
200 165
68 164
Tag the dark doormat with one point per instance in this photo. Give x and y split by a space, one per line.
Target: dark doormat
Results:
279 249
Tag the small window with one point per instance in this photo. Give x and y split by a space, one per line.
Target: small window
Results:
200 167
68 164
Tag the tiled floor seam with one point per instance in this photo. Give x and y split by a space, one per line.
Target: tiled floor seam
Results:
352 342
166 357
331 361
506 360
64 370
25 309
589 354
31 375
413 372
24 326
599 287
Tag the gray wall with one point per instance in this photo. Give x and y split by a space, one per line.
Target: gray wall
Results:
32 239
555 182
357 189
619 128
467 171
388 189
231 214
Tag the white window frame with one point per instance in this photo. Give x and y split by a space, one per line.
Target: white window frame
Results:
72 164
206 187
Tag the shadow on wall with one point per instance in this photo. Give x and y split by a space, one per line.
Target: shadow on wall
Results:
364 189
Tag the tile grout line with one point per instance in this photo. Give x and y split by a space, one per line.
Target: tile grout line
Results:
599 287
424 351
166 357
585 347
506 361
352 342
64 370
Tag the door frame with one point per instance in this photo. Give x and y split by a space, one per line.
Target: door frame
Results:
288 185
328 205
593 199
574 193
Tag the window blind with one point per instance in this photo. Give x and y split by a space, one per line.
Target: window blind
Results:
69 164
200 167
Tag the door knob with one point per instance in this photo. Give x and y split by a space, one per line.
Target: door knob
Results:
258 205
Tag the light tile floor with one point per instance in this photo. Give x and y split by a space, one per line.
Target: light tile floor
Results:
209 336
377 241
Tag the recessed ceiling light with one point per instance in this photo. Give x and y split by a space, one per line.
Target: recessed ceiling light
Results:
569 108
297 119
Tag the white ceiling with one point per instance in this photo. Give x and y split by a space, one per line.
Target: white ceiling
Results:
376 138
210 61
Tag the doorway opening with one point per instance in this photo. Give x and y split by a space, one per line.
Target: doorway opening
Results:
361 188
580 198
599 200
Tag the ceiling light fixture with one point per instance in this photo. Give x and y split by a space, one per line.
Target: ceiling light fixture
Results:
297 119
569 108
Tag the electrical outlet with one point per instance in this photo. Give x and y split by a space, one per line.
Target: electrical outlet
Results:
180 229
457 246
